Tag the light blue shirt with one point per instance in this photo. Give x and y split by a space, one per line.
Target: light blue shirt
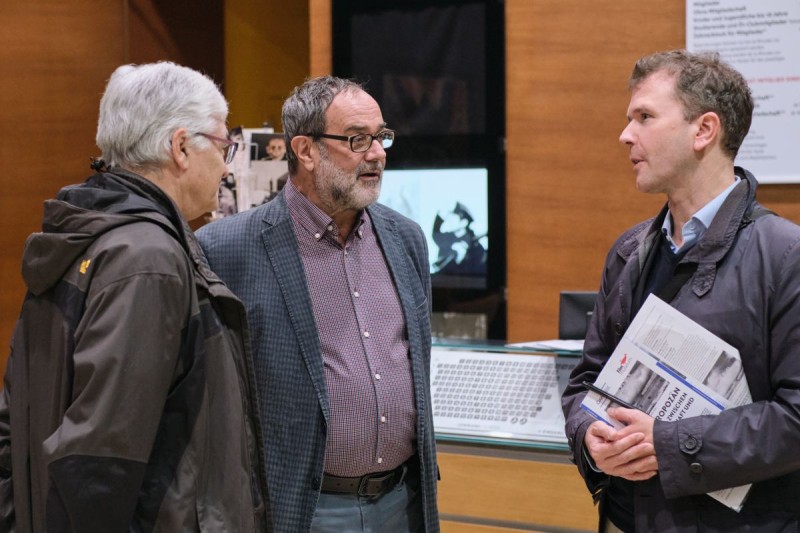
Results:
698 224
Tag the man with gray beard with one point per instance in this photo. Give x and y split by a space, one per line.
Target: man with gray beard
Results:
337 290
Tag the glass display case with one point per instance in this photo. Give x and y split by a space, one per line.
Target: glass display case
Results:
490 392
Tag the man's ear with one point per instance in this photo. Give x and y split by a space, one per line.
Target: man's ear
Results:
178 148
709 130
303 146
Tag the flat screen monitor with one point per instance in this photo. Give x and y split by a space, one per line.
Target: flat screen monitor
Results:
574 313
452 207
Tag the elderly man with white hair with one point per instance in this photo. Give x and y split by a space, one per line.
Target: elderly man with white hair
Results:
129 402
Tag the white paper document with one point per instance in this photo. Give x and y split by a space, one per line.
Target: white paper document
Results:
672 368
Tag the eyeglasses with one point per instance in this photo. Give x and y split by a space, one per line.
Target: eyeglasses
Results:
229 146
363 141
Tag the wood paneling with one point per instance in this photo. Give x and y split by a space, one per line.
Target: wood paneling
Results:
460 527
187 32
783 199
321 60
55 58
529 493
570 188
266 56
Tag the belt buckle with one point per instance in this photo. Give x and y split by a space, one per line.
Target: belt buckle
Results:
381 481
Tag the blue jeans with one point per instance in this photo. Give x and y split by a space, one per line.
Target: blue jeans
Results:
397 511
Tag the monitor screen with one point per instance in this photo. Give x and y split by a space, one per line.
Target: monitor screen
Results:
574 313
452 207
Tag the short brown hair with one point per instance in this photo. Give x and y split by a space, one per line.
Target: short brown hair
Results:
703 83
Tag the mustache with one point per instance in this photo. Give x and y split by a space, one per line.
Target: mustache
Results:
374 166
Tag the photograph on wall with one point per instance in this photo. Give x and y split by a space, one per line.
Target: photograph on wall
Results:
268 147
258 172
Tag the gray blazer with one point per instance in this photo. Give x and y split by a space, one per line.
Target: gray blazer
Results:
256 255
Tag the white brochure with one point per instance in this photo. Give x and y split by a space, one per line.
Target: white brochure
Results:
671 368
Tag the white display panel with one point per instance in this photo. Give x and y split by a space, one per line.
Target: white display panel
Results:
452 207
762 41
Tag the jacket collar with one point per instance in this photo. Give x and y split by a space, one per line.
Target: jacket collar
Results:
716 241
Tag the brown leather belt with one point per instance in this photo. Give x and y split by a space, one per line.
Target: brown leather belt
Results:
371 485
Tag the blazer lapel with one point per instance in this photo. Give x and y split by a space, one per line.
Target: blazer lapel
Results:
281 247
400 267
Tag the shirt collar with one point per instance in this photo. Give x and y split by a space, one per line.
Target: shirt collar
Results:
313 219
694 229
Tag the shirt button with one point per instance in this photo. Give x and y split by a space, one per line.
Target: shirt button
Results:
383 419
691 443
377 376
356 294
696 468
317 236
366 333
360 233
380 460
330 227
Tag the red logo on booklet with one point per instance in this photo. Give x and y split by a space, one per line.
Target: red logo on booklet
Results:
622 364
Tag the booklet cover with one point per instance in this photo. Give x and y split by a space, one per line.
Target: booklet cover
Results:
672 368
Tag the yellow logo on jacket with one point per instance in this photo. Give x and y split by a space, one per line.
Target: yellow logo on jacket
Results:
85 266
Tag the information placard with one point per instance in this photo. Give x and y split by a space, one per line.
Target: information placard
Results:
761 40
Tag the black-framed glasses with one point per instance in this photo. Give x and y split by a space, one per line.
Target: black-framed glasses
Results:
229 146
363 141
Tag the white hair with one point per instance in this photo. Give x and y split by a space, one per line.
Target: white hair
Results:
143 106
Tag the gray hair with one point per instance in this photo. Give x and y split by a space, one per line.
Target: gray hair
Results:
144 105
304 111
704 83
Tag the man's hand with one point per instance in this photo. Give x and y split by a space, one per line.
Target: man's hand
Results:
628 453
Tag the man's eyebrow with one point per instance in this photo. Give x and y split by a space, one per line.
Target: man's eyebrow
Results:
360 128
638 111
641 109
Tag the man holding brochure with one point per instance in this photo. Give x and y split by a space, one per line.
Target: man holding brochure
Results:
731 266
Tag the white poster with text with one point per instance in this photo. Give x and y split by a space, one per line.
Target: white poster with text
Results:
762 41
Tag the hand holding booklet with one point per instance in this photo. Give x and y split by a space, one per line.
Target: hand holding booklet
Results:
671 368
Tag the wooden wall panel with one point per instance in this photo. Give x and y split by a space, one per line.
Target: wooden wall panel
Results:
266 56
321 60
55 58
459 527
570 187
187 32
518 492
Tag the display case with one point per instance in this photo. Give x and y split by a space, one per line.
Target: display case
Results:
499 394
502 453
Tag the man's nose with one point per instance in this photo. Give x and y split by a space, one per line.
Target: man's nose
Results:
376 151
626 137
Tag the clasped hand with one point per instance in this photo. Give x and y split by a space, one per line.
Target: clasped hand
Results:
628 453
